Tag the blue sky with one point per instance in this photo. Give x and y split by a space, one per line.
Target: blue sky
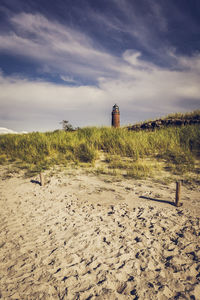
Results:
73 59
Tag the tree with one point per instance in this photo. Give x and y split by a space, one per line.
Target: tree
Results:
67 126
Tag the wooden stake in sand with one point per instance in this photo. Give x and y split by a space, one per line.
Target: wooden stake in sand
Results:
41 179
178 193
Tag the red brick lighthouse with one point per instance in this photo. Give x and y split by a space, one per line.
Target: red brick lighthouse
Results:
115 116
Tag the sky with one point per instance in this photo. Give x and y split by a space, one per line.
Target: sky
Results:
74 59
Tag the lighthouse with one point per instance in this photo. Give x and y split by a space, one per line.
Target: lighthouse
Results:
115 116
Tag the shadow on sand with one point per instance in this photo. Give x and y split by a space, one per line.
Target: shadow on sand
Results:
157 200
36 182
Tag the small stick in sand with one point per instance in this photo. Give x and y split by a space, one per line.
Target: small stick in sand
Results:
41 179
178 192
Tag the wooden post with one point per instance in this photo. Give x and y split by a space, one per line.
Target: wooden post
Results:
178 193
41 179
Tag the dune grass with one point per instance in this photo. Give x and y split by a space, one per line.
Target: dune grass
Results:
177 146
188 115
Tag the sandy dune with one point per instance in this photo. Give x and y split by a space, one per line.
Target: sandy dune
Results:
84 237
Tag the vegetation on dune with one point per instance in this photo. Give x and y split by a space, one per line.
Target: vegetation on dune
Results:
177 119
189 115
124 150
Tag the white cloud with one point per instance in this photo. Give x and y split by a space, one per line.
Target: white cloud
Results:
6 131
41 105
132 57
68 79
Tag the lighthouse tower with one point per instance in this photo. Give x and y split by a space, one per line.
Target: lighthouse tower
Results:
115 116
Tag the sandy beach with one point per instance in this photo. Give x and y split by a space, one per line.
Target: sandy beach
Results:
83 236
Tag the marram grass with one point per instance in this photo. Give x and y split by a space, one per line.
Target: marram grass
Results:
177 146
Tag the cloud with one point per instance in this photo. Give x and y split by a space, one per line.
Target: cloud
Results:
4 130
141 88
63 49
68 79
41 105
132 57
59 48
143 23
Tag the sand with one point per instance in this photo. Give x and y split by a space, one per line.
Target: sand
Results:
86 237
